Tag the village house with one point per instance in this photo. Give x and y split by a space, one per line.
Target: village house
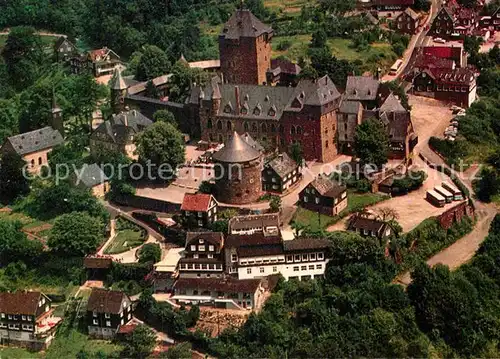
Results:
363 89
64 49
202 256
117 134
97 268
34 146
27 320
280 174
100 62
457 86
389 9
324 195
268 224
349 118
283 73
495 20
91 177
369 227
407 22
455 53
199 209
454 21
225 293
107 310
257 256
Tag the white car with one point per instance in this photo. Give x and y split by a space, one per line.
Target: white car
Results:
440 40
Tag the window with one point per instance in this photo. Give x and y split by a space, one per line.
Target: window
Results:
193 248
261 269
3 325
303 268
320 256
108 323
289 258
229 125
201 248
275 269
296 268
107 315
311 267
3 315
210 256
305 199
209 124
319 266
249 270
196 256
316 200
304 257
297 258
211 248
9 317
312 256
234 257
23 317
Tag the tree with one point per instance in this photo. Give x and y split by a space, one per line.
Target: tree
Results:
338 7
140 343
23 54
472 44
422 5
319 38
488 184
152 63
13 183
296 153
275 204
151 90
75 234
161 143
150 252
183 78
206 187
165 116
179 351
15 245
326 64
371 143
387 214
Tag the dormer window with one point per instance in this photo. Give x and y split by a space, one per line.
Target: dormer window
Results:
272 111
257 110
244 109
247 97
302 95
296 103
266 98
228 108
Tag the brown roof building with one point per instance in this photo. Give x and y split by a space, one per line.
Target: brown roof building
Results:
199 210
407 22
280 173
202 255
324 195
107 310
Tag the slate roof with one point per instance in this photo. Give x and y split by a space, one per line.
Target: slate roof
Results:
119 127
327 187
248 240
20 302
244 24
236 150
315 92
91 175
105 301
362 88
285 66
458 76
392 104
397 124
199 202
36 140
215 238
61 41
368 224
248 139
300 244
97 263
350 107
228 285
254 221
117 82
283 165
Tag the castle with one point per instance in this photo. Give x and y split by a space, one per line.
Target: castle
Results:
241 98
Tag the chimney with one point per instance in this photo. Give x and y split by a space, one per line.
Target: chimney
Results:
125 119
237 98
379 71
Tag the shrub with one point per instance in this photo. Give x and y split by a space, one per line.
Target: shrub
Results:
284 45
150 252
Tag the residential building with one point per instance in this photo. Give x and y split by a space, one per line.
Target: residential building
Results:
107 310
92 177
363 89
369 227
27 320
455 53
238 168
202 256
454 21
99 62
221 293
495 20
64 49
245 49
34 146
407 22
118 133
349 118
283 72
457 86
280 174
389 9
199 209
324 195
268 224
97 268
257 256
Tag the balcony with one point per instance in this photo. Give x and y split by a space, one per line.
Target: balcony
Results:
46 325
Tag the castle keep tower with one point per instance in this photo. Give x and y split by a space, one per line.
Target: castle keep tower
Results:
238 172
245 49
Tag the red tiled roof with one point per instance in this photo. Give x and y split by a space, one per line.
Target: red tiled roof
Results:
199 202
94 54
127 329
444 52
20 302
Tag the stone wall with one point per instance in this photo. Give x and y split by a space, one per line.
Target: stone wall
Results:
455 214
239 186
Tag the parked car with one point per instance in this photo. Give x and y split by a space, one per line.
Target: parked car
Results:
440 40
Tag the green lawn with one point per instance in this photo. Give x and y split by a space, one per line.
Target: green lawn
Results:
355 201
286 6
18 353
298 48
47 41
125 240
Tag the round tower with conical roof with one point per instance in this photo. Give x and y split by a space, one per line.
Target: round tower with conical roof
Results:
238 172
